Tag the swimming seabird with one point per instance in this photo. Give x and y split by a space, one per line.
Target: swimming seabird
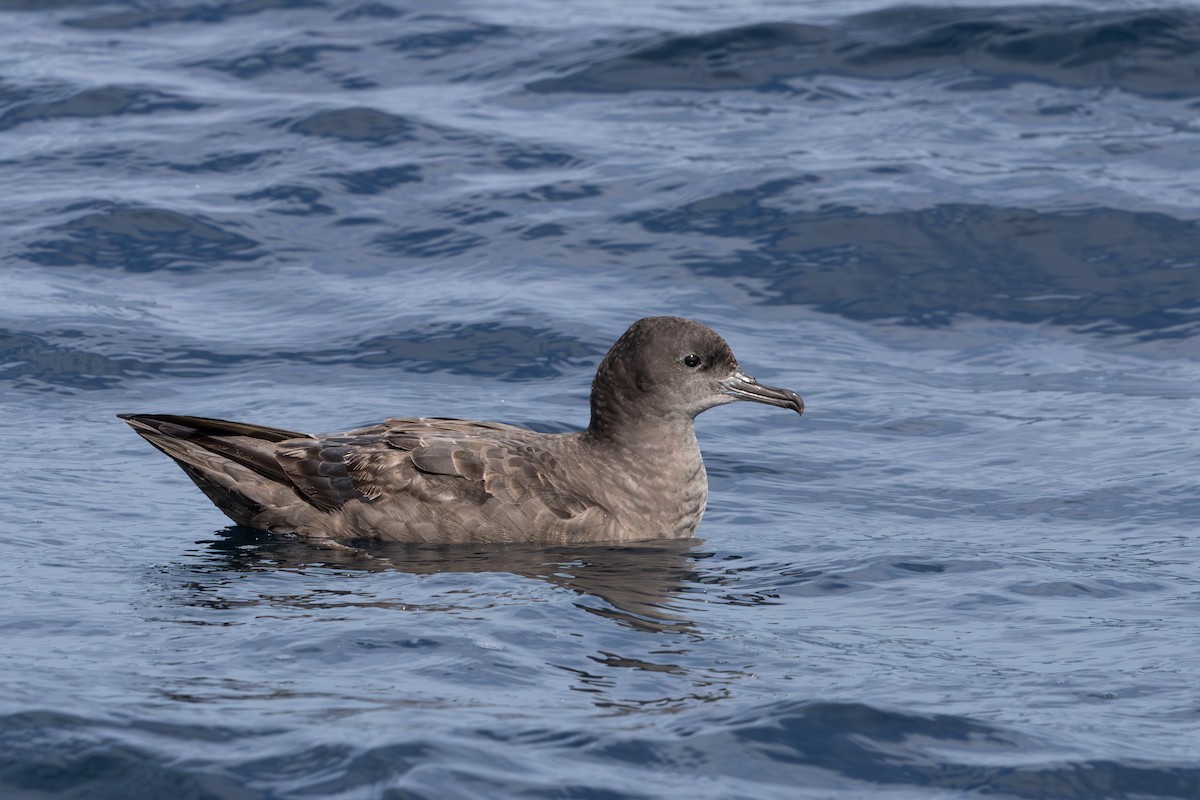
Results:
634 473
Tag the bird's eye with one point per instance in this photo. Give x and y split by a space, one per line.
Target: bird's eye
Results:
691 361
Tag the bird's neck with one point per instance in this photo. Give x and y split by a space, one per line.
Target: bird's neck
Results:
640 434
654 456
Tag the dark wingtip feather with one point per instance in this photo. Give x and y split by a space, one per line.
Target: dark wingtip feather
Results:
182 427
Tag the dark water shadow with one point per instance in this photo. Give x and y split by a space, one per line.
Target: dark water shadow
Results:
1151 52
637 583
203 13
141 239
847 749
1104 269
105 101
878 747
74 358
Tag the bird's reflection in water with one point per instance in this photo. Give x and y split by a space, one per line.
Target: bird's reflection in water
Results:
638 583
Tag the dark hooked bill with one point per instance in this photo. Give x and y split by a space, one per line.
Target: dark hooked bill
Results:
743 387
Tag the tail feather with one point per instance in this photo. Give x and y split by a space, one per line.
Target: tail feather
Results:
184 438
231 462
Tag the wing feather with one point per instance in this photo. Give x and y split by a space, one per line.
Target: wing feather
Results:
453 469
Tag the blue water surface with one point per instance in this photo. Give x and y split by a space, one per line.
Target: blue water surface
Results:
966 234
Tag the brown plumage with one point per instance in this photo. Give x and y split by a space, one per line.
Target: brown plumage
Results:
634 473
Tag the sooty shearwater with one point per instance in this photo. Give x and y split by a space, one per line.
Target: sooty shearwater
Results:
634 473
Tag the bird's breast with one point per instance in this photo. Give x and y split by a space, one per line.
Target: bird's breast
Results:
656 494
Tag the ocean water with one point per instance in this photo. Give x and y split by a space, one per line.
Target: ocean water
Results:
966 234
